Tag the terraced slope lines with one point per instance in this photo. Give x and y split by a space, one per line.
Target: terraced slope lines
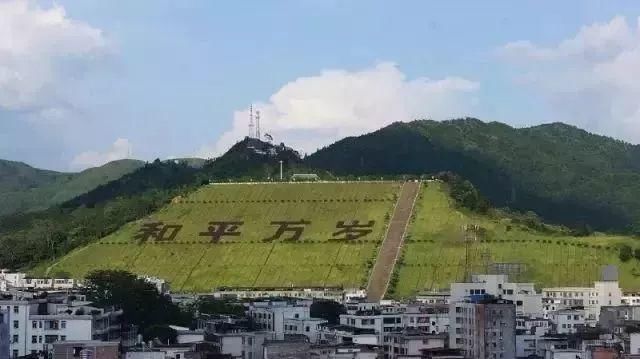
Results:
434 250
252 235
390 249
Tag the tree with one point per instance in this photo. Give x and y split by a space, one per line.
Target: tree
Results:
140 301
625 253
216 306
327 309
636 253
163 333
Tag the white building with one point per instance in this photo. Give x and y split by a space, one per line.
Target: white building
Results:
567 321
523 295
630 299
603 293
431 318
10 280
347 335
411 343
239 344
309 327
37 323
271 315
483 327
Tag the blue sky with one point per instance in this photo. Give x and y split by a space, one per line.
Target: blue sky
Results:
170 79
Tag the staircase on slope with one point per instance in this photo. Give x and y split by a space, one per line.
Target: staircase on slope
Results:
392 244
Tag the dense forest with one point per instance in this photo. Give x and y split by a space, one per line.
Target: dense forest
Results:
24 188
564 174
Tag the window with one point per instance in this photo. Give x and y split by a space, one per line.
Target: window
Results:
16 324
40 324
15 338
34 324
15 353
16 309
63 337
63 324
40 339
306 329
34 339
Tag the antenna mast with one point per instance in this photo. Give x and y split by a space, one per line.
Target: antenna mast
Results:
251 124
258 124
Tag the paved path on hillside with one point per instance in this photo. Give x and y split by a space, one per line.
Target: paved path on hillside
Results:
390 249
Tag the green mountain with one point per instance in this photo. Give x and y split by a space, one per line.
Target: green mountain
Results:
24 188
30 238
562 173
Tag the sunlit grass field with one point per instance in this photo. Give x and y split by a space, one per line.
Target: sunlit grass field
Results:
196 263
434 253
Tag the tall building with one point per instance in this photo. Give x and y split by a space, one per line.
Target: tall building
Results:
4 333
484 327
523 295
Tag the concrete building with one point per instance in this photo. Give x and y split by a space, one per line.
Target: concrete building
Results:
336 294
433 298
614 319
429 318
603 293
381 323
483 327
271 315
523 295
86 349
10 280
411 343
346 335
567 321
236 340
5 338
35 324
309 327
630 299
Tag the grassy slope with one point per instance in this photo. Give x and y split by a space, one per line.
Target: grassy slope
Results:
434 255
24 188
191 263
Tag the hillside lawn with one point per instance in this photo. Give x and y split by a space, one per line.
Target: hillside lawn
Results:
434 253
194 263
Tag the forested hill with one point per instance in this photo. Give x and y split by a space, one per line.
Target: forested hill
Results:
35 237
24 188
563 173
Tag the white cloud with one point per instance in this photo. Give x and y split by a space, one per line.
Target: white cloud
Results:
120 149
35 45
310 112
589 79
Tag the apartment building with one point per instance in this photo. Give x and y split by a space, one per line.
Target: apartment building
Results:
605 292
4 333
309 327
271 315
483 327
411 343
567 321
523 295
35 324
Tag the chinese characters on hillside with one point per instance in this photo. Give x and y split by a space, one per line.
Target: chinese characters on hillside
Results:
283 230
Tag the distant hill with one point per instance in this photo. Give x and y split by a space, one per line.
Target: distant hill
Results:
563 173
24 188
